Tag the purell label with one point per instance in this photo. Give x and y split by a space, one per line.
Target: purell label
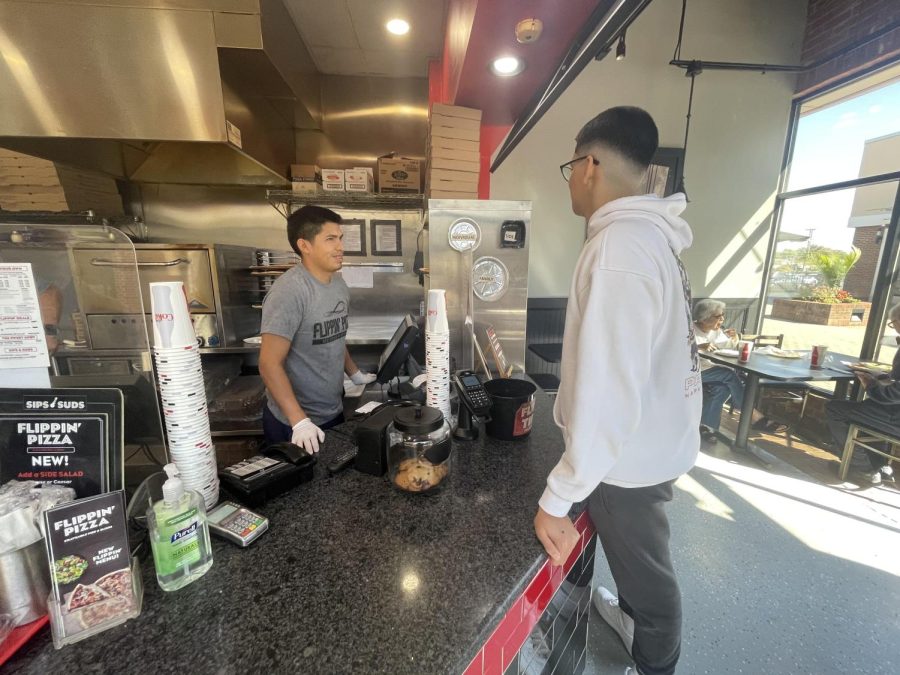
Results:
186 532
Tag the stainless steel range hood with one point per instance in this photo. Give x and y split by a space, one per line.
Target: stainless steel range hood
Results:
157 91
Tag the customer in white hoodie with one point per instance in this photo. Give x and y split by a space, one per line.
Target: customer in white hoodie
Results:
630 393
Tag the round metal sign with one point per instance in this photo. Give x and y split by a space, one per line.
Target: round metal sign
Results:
490 279
465 235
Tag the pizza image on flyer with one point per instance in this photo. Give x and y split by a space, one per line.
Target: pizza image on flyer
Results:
87 544
83 596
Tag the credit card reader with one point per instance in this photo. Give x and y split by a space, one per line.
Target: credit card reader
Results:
236 524
474 404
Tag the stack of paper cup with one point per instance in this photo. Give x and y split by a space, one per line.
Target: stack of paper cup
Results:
437 353
182 390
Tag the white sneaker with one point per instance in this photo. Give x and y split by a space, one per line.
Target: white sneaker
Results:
608 606
873 477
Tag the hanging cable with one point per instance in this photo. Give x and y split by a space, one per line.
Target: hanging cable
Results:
692 73
677 54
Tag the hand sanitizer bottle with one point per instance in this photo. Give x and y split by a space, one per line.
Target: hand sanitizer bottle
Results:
179 534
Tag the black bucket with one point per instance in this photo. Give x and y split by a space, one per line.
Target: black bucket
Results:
512 408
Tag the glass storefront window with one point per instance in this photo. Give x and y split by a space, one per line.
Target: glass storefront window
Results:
816 259
851 133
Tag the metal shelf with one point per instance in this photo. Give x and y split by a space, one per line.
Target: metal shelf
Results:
285 200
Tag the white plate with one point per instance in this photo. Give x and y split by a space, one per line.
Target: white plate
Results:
785 354
255 340
728 352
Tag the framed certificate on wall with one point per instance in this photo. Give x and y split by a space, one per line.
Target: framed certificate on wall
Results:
386 237
354 230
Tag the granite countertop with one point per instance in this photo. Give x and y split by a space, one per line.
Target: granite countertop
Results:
354 576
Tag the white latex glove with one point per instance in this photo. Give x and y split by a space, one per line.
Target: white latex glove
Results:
307 435
359 377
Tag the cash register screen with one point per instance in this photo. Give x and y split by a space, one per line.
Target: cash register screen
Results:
395 354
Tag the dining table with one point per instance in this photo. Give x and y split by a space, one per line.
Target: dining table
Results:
789 366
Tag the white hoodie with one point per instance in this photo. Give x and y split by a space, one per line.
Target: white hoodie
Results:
630 392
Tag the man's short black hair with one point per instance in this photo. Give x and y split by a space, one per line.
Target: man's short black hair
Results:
307 222
625 129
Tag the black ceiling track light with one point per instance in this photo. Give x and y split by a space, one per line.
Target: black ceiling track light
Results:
620 48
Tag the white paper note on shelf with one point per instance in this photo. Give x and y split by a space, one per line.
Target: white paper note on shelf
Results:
358 277
22 340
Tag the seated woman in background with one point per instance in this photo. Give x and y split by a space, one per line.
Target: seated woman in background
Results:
719 382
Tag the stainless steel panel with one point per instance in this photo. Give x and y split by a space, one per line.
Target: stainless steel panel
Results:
155 72
236 292
95 267
191 266
100 366
114 331
352 107
167 89
452 270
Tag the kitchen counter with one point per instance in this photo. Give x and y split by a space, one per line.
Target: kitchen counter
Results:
353 576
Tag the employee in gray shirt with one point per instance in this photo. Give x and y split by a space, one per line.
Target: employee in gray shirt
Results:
303 356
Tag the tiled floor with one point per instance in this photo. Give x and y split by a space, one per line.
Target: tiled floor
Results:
783 569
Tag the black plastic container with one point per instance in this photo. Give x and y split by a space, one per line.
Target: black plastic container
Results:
511 410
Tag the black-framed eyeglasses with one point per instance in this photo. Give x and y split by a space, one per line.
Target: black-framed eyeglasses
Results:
566 169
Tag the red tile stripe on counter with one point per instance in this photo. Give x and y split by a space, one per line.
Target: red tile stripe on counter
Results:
510 634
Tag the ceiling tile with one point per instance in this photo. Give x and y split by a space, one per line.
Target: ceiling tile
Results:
323 24
396 64
339 61
426 19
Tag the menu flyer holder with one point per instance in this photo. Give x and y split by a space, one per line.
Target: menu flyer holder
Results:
96 584
496 350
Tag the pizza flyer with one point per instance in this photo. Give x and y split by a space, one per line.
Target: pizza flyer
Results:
69 437
90 562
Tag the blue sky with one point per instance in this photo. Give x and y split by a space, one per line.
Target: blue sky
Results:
829 149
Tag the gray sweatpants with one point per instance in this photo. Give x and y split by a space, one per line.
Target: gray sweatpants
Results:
634 532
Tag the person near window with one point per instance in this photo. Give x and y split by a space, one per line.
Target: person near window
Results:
880 411
720 383
629 397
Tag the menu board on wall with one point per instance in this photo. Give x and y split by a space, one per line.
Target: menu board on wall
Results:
22 340
71 437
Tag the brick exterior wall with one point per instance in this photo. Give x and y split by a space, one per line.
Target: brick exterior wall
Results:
859 280
833 26
820 313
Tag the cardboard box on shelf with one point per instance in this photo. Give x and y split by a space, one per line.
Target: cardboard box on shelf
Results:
333 180
306 172
399 174
305 187
438 145
445 175
438 121
450 194
455 111
453 164
358 180
453 186
471 135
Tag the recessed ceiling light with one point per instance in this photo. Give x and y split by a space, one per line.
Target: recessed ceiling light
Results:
397 26
507 66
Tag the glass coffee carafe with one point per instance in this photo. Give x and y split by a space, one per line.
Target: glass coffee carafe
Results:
418 449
